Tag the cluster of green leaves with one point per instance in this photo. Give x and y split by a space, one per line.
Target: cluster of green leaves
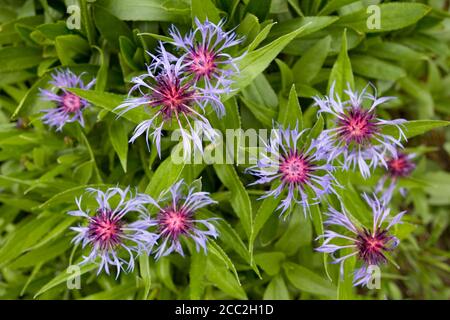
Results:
295 50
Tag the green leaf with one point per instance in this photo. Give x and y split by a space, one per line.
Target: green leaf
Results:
260 8
415 127
341 75
110 27
219 253
118 135
102 74
308 281
265 210
204 9
41 255
25 236
240 201
249 28
69 195
71 47
297 234
197 275
376 69
395 51
127 51
270 262
65 276
287 77
147 10
16 58
392 16
309 65
333 5
87 21
310 25
290 114
165 176
277 290
109 101
221 277
260 37
121 292
144 268
345 284
261 100
255 62
316 216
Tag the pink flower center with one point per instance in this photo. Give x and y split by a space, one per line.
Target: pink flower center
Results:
105 230
357 126
400 166
71 102
173 222
172 96
295 168
371 246
203 63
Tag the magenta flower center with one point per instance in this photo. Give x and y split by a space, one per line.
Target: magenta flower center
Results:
371 246
400 166
357 126
174 222
295 168
71 102
105 230
172 96
203 63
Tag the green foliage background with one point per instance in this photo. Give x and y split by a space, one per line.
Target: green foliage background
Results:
296 49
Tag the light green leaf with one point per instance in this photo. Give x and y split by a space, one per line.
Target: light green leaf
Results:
197 275
144 268
65 276
309 65
165 176
308 281
341 75
376 69
277 289
415 127
109 101
290 114
204 9
255 62
392 16
147 10
118 135
240 201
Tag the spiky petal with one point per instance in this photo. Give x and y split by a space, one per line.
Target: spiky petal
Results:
368 244
108 234
69 106
357 134
204 52
298 170
169 95
177 219
398 167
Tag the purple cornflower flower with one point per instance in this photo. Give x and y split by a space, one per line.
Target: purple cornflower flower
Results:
398 167
300 169
108 233
205 57
369 245
176 218
69 106
358 132
171 96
